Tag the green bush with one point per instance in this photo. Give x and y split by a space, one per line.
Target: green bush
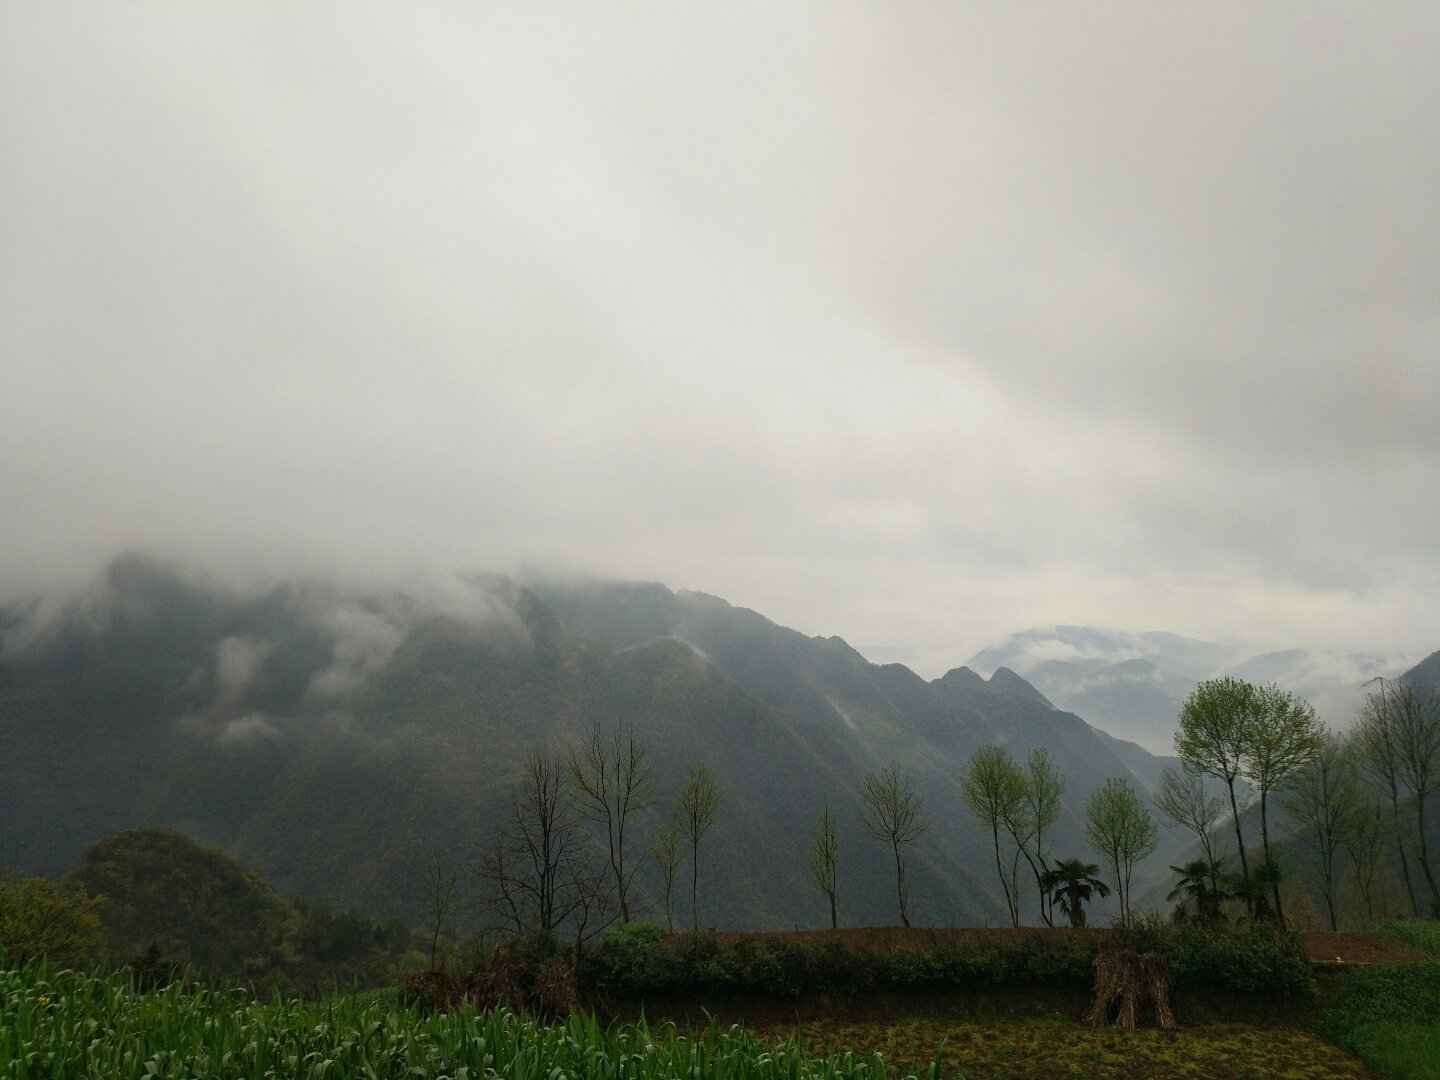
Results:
43 918
1248 959
1389 1017
1419 933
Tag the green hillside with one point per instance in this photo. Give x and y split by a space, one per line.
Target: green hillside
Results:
334 738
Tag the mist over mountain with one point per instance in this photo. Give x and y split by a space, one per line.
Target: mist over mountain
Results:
1132 685
333 736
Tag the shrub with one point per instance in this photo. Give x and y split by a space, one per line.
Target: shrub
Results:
43 918
1387 1017
1418 933
1249 957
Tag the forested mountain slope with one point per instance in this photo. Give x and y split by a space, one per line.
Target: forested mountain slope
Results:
334 738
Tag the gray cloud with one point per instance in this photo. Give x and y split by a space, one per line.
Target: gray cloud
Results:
915 325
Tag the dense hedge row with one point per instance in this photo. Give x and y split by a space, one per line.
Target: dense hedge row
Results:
636 961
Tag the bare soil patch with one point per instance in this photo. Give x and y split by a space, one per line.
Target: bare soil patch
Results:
1350 947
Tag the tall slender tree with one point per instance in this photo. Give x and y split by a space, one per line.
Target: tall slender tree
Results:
1182 799
664 848
1043 787
1416 717
994 790
613 782
890 811
1122 830
1377 738
823 857
1324 800
1212 737
696 808
1284 736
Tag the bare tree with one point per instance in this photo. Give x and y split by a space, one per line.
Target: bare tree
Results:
1364 843
1284 736
1323 800
1121 829
665 850
1415 713
824 855
439 900
695 810
1182 799
1379 738
538 871
613 782
890 811
994 789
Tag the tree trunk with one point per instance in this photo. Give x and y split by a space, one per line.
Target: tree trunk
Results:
1000 870
1239 838
1425 856
695 888
900 885
1400 843
834 922
1265 847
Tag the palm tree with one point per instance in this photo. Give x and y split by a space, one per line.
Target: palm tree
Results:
1070 883
1255 890
1198 886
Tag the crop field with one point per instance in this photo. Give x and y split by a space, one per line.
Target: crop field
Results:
63 1026
1377 1021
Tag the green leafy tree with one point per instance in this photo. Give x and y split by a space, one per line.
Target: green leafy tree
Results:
1324 801
1284 736
994 790
1071 883
1213 736
890 811
613 782
695 810
823 857
1043 787
1122 830
41 918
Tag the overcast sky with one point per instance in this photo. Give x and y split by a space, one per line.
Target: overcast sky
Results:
917 324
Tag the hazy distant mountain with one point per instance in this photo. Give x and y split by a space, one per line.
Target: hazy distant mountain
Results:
1132 685
1427 671
332 737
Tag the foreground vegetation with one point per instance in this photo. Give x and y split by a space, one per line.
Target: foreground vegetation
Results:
1389 1017
60 1025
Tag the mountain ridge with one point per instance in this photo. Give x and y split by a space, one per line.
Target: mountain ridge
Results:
333 737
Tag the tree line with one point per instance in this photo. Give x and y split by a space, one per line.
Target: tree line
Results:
1349 798
568 853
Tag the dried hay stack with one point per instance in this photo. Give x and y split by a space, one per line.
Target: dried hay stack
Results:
1125 980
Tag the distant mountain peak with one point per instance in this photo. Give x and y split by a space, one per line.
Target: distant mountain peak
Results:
1008 682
